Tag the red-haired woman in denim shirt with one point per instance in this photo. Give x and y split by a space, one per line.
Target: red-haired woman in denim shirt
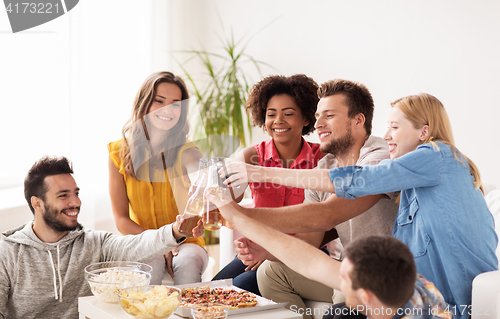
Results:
443 217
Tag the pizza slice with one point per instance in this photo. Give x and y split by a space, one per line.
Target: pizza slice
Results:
229 297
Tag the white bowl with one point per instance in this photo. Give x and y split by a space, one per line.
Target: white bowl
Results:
152 302
107 278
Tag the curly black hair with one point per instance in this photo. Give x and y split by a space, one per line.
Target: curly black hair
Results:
301 88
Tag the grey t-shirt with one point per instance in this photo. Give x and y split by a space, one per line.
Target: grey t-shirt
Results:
378 220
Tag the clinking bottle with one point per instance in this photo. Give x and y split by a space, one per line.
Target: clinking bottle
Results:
195 204
212 219
202 171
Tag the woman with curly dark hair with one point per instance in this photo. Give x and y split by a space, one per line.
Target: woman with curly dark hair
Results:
285 108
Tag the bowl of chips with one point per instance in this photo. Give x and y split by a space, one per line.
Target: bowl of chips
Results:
151 302
106 279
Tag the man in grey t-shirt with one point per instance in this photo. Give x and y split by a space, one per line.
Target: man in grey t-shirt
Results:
343 124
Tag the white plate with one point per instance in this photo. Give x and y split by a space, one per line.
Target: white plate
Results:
262 303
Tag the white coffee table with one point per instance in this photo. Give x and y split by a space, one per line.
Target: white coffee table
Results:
93 308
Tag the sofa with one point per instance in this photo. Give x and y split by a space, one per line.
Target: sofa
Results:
485 287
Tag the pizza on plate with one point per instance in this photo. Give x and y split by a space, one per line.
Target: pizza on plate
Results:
229 297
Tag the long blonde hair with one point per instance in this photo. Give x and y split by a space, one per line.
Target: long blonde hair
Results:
425 109
177 136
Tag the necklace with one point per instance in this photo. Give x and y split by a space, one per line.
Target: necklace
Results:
158 162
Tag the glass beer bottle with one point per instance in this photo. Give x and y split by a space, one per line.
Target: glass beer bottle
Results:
212 219
194 207
202 171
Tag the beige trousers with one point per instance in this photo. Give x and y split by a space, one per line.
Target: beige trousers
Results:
281 284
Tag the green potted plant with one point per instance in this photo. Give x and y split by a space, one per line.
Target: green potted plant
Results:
220 94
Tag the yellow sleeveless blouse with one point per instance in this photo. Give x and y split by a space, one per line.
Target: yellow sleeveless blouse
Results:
155 204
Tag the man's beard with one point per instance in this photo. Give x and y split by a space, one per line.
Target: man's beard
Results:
51 220
341 145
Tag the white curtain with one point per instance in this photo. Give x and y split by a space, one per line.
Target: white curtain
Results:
67 89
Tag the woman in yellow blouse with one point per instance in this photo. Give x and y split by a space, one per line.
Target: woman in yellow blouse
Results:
150 171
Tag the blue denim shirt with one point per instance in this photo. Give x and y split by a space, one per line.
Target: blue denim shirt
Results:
444 221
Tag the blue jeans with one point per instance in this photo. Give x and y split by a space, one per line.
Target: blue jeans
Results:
242 279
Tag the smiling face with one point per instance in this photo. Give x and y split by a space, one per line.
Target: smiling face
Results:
165 110
334 125
402 136
61 204
284 120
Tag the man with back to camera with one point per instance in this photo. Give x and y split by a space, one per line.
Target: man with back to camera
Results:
343 122
41 270
377 275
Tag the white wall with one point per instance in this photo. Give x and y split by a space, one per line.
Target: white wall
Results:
446 48
112 55
76 99
67 88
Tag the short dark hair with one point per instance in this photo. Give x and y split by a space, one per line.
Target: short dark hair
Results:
34 183
301 88
358 98
385 266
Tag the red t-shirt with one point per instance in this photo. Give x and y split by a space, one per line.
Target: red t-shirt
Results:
275 195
